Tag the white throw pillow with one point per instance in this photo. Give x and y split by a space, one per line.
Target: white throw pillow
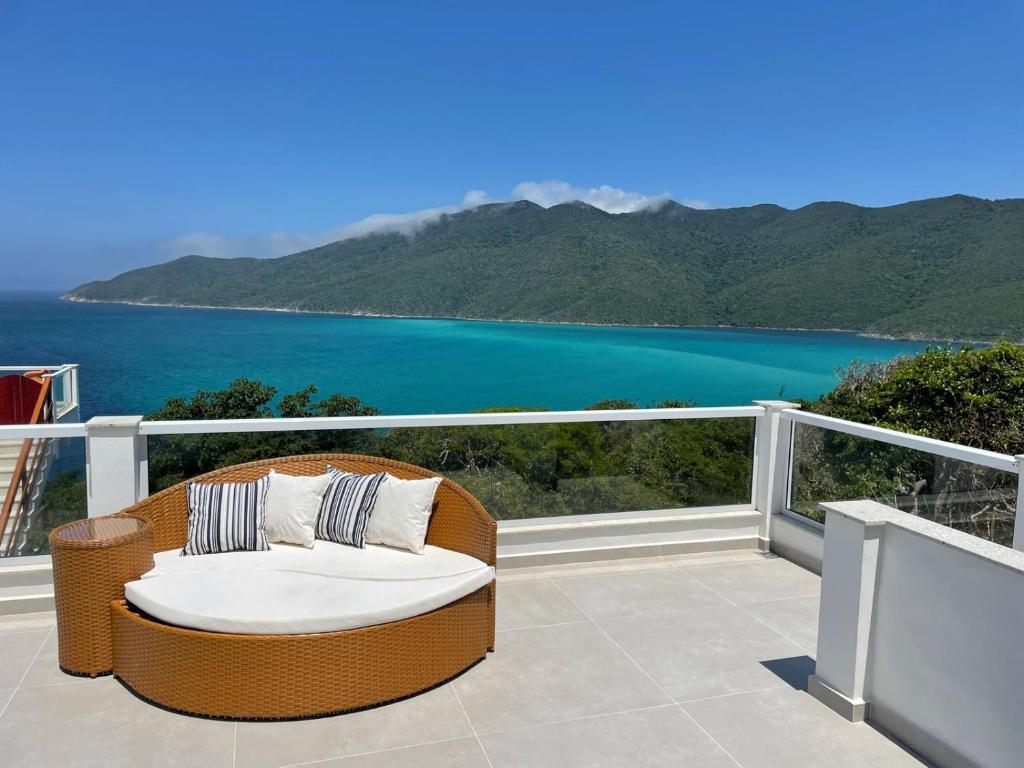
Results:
292 506
401 513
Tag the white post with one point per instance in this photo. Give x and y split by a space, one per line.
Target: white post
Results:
773 444
117 464
849 572
1018 521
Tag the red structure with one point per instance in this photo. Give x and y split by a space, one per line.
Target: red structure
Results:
18 397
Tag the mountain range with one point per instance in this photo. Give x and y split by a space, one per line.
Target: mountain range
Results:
943 268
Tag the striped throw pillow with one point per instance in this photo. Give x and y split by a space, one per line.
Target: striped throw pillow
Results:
346 507
225 517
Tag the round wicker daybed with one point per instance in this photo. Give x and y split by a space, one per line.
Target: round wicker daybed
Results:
289 676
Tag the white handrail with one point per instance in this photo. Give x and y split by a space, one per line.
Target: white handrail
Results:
52 373
1001 461
442 420
48 368
35 431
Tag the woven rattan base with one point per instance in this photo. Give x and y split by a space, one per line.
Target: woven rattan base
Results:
92 560
287 677
89 675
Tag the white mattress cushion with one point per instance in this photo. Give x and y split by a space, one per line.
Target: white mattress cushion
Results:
271 602
326 558
293 590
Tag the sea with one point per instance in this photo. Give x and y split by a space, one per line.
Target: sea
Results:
133 358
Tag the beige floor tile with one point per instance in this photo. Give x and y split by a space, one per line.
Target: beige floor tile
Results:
770 579
625 565
796 618
648 593
45 670
651 738
725 557
103 725
533 604
19 648
785 728
551 674
709 651
458 753
432 716
19 621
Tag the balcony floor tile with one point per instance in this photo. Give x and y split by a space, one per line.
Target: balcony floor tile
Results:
784 728
710 651
19 621
796 618
20 647
533 603
587 663
650 738
45 669
433 716
550 674
651 593
457 753
772 578
102 724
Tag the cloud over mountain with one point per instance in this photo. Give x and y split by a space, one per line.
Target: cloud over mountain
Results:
543 193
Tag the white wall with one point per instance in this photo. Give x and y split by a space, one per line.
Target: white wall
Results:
799 540
577 538
947 651
922 628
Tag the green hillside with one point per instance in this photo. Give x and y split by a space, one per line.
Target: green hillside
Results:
942 268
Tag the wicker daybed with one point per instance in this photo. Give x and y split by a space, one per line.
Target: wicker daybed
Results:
290 676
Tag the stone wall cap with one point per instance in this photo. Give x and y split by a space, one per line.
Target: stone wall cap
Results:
114 422
872 514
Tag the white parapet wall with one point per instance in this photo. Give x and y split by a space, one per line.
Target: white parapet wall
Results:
581 538
920 631
798 539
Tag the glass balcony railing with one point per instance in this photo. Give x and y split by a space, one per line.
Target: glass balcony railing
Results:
828 465
519 470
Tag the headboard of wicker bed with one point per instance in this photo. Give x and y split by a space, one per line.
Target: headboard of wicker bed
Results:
459 521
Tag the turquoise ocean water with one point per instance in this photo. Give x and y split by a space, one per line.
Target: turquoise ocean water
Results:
133 358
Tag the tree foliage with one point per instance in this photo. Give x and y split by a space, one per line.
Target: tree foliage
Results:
174 458
968 396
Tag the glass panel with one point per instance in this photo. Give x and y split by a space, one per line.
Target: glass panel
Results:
59 391
520 471
49 492
831 466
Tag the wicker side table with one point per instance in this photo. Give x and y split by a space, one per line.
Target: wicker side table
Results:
92 561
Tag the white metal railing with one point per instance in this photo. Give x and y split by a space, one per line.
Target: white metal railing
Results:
991 459
63 387
1002 462
32 431
442 420
117 452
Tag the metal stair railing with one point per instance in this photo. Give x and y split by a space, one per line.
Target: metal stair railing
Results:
26 473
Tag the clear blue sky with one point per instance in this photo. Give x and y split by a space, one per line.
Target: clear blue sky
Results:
127 126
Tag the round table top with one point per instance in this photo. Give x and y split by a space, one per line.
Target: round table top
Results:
98 529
